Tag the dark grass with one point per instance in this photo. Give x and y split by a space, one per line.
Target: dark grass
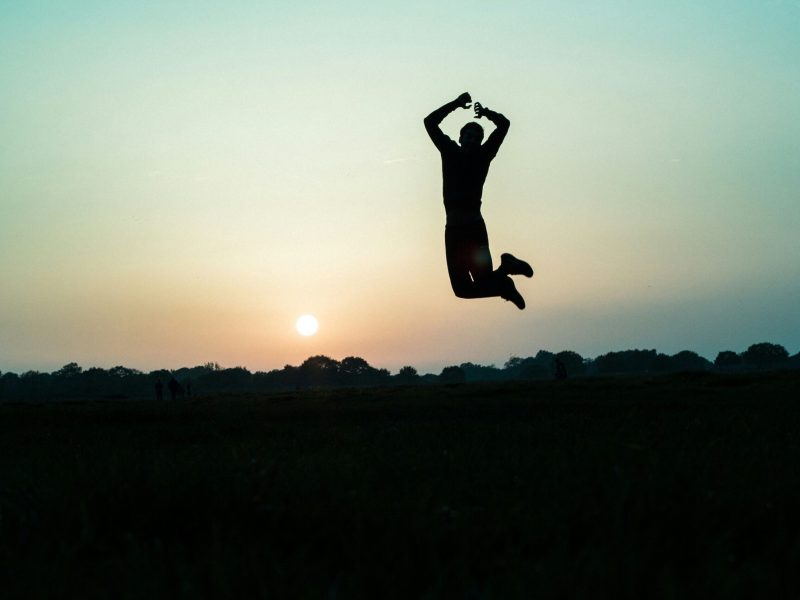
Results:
619 488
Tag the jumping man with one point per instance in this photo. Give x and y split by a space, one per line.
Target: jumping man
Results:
464 170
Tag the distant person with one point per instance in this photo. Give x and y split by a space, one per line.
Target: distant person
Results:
173 387
159 390
464 169
561 369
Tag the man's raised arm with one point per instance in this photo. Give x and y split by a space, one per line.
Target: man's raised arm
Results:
433 120
502 125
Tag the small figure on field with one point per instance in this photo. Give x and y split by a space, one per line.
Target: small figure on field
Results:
561 369
464 169
159 390
174 388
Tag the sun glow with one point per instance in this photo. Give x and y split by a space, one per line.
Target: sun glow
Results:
307 325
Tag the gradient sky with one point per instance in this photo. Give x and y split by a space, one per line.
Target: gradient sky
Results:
179 181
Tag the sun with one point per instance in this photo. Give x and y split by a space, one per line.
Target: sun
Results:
307 325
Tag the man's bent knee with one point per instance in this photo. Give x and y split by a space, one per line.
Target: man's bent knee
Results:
462 289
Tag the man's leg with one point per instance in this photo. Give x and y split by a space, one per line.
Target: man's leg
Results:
469 264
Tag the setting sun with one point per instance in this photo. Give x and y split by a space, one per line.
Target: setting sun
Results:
307 325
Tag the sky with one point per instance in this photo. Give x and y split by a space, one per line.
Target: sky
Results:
180 181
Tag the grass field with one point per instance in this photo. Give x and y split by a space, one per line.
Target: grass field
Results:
619 488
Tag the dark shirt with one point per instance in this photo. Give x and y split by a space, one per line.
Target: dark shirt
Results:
463 172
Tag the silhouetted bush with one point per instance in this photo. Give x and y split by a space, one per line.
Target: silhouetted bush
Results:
686 360
538 367
121 372
627 361
72 381
226 380
765 355
290 376
407 375
661 363
452 375
572 361
354 371
473 372
318 371
69 370
727 359
9 384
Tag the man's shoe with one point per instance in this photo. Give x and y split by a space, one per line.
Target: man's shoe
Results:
511 265
511 294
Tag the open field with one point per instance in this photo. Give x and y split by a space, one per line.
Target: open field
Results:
625 488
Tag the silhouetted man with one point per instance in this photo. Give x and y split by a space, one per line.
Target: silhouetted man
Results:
159 390
561 369
464 169
173 387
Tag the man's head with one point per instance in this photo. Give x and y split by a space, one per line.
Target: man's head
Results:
471 136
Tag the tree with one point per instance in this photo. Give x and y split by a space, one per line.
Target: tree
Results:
380 377
354 365
514 362
319 370
627 361
727 359
290 376
236 378
572 361
662 363
473 372
686 360
121 372
407 375
69 370
540 367
34 382
765 355
452 375
545 358
9 383
354 370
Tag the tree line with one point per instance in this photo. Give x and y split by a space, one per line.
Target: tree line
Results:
72 381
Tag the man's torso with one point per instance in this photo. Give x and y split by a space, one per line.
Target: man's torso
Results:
463 176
